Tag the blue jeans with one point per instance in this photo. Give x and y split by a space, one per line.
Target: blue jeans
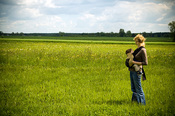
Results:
136 87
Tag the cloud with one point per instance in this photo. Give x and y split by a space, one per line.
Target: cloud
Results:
131 15
85 15
28 13
8 2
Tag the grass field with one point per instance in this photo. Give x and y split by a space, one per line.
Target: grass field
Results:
53 78
81 39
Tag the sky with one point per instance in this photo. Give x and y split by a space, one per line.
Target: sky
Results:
85 16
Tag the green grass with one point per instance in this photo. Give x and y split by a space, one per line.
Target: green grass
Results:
91 40
104 39
52 78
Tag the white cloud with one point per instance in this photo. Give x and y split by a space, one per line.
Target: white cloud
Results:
18 22
32 12
161 18
85 15
50 4
29 2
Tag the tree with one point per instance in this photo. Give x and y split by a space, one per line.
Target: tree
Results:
171 26
121 32
61 33
21 34
145 34
151 34
128 34
1 34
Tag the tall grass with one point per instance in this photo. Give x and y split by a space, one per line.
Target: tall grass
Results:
40 78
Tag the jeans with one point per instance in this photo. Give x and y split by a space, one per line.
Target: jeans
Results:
136 87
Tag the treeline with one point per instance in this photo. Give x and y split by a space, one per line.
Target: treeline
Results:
98 34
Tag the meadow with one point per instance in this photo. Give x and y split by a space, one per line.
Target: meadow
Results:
83 39
82 79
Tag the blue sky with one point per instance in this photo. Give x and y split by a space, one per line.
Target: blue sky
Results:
78 16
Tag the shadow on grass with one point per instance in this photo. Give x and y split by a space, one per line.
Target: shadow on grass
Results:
112 102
